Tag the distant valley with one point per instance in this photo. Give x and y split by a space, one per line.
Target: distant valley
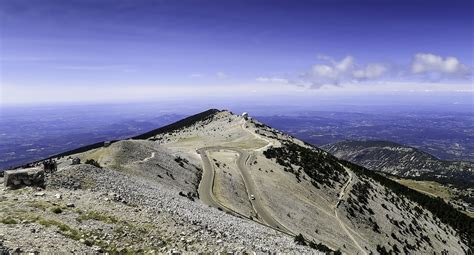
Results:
45 132
448 136
28 135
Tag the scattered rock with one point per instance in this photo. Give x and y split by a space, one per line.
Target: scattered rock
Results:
179 221
97 248
3 250
17 250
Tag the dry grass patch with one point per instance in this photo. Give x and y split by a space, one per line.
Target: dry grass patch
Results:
8 221
428 187
98 216
39 204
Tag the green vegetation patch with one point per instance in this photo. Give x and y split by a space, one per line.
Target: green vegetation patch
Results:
8 221
39 204
99 216
17 216
56 210
317 164
93 163
64 229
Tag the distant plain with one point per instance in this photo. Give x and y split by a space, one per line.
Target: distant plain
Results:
28 134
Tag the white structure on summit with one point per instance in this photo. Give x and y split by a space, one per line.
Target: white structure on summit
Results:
245 115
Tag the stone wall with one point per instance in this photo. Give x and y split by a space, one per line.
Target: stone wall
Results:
24 177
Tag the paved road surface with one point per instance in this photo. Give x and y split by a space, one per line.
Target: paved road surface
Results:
207 185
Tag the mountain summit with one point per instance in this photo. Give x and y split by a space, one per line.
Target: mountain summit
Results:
217 181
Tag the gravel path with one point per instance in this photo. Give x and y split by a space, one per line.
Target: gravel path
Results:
341 198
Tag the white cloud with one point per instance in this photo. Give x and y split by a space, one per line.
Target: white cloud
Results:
272 79
341 73
123 68
324 71
196 75
371 71
221 75
334 70
430 63
336 73
345 64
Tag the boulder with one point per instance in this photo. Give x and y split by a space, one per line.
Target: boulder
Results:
24 177
76 161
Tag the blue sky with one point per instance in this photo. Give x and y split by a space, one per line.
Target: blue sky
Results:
144 49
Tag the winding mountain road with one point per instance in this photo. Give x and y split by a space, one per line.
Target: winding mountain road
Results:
206 187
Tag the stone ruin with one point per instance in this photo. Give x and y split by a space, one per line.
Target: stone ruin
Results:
24 177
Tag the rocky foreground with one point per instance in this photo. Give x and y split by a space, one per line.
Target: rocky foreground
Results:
85 209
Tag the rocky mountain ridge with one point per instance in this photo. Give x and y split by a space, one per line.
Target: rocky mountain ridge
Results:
403 161
218 181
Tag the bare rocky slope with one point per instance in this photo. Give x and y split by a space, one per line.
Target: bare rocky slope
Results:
222 182
452 180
